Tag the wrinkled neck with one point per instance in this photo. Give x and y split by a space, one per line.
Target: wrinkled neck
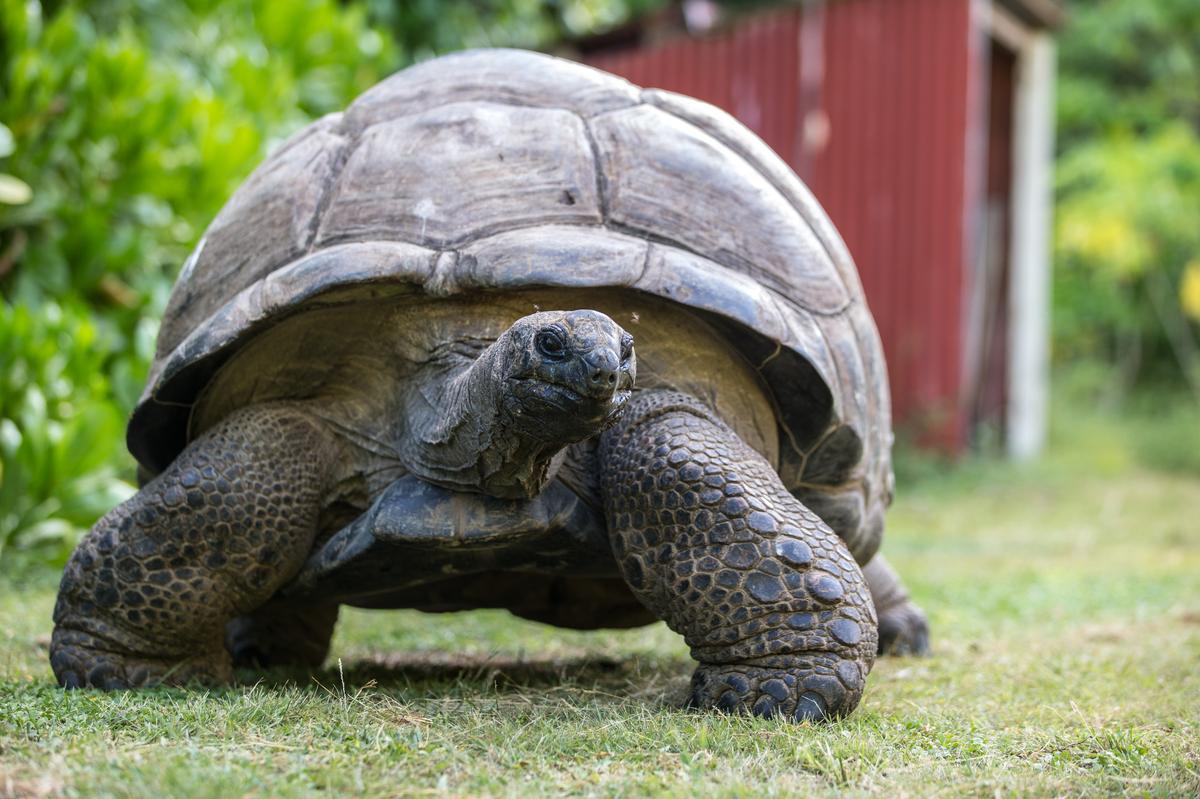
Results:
464 435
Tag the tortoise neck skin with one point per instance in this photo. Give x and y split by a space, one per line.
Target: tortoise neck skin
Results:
495 425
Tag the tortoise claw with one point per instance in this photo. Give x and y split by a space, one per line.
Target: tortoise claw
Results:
803 694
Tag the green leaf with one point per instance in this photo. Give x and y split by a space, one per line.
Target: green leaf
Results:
7 144
14 191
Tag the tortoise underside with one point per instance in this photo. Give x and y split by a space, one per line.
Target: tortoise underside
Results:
428 548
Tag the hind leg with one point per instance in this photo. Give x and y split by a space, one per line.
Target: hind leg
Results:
903 629
147 594
279 634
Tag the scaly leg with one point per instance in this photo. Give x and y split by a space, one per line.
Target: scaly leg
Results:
903 629
147 594
766 595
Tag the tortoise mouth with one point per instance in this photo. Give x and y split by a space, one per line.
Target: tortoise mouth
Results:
568 394
616 407
539 396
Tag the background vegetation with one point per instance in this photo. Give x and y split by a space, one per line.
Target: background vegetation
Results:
1127 266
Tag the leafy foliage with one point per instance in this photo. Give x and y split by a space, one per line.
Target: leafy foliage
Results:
60 433
1128 65
1127 233
425 27
1128 188
133 135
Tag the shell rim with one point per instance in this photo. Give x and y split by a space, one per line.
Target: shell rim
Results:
157 429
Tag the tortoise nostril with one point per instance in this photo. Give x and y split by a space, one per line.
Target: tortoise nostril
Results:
604 376
600 372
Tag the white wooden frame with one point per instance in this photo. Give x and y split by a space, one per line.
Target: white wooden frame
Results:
1029 245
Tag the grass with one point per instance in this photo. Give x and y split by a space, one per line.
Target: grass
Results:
1065 603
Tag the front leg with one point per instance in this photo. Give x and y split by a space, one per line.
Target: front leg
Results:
147 593
766 595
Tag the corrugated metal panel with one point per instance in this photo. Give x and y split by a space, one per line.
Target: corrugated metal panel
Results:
750 72
879 131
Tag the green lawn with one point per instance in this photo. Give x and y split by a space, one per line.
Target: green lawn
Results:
1065 604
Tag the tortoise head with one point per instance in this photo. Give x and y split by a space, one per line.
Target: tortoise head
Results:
568 374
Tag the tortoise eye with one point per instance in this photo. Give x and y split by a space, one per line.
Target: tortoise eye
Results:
551 342
626 347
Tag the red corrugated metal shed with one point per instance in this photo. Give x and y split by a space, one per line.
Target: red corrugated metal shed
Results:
870 101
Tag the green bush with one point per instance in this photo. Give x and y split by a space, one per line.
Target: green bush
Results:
1127 254
60 431
132 135
1127 233
1127 65
425 27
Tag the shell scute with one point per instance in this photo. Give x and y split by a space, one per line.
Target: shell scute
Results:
727 130
553 255
666 178
515 77
267 223
698 282
460 171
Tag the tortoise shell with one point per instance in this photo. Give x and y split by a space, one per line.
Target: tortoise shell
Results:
495 170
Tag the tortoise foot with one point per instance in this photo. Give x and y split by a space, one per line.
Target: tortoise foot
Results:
817 692
82 660
903 630
146 595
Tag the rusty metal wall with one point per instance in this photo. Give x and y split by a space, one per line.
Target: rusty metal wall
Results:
868 101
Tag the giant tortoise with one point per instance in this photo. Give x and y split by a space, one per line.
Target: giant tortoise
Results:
399 371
